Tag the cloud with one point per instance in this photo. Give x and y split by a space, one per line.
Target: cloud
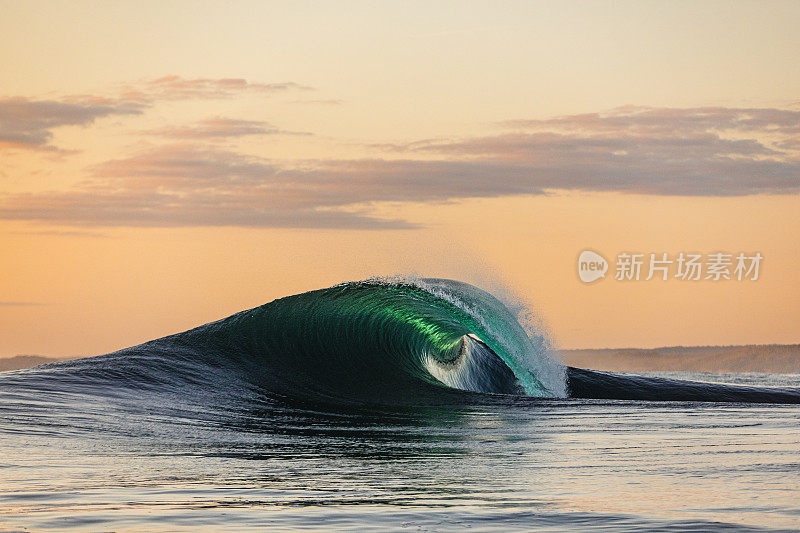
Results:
62 233
692 152
317 183
790 144
549 145
188 185
27 123
20 304
319 101
685 152
187 165
220 128
174 87
152 208
670 121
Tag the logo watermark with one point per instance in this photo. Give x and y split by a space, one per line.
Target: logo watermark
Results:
591 266
683 266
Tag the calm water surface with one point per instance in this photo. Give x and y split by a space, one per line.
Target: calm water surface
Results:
496 463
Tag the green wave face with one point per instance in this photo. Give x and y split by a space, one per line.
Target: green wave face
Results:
370 342
378 336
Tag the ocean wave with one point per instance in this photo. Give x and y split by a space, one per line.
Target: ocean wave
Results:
380 341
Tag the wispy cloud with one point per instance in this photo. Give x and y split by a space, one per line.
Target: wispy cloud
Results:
28 123
20 304
319 101
178 88
220 128
188 185
187 165
666 121
690 152
64 233
263 207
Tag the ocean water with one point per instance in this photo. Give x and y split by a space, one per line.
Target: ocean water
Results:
403 406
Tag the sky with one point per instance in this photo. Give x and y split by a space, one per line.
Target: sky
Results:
165 164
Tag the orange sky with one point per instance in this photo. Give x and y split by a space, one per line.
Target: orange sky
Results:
166 164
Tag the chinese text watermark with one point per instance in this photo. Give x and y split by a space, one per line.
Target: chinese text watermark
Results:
684 266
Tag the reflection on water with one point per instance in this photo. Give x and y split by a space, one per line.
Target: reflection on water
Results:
492 462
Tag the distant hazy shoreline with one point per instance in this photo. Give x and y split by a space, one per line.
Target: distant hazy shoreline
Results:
768 358
26 361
